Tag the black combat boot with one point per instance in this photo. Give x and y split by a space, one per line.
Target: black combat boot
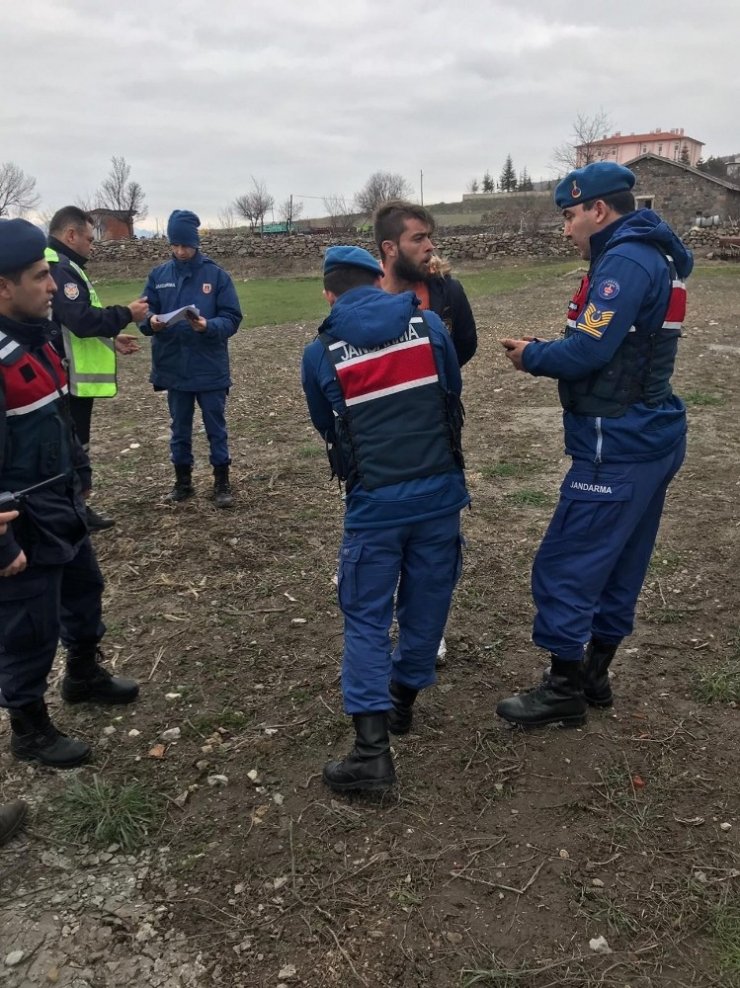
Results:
222 496
86 681
35 739
401 714
596 686
369 765
97 522
183 488
558 699
12 817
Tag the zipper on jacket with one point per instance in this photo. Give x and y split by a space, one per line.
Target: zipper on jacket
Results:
599 439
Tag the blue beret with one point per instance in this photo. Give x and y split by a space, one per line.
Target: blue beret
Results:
355 257
594 181
21 244
182 228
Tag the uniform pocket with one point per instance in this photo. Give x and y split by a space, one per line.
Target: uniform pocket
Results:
589 506
26 620
349 559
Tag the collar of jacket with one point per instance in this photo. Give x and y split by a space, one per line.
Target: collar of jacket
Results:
28 334
61 248
186 267
600 240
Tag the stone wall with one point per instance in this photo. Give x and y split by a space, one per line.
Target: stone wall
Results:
680 194
254 256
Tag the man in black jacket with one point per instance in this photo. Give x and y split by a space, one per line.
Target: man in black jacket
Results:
403 235
90 331
50 582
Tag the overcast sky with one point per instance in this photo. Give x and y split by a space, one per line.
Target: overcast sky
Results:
313 96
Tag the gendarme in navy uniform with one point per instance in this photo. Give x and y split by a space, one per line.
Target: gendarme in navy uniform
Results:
625 430
383 384
50 582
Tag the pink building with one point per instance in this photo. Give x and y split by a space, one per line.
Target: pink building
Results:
621 148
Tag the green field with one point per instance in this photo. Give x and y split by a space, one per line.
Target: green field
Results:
273 301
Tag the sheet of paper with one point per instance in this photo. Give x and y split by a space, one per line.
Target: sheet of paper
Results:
169 318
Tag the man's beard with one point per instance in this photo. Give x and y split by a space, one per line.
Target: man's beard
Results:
405 270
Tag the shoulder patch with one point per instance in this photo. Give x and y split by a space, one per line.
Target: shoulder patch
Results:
207 288
71 290
594 321
608 288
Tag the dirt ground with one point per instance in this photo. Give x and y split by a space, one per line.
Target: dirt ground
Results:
503 853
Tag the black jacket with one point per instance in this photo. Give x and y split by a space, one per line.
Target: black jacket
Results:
71 305
448 299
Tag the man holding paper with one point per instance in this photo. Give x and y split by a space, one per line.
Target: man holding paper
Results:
194 309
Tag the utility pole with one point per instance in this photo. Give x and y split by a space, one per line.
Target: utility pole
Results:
421 185
290 216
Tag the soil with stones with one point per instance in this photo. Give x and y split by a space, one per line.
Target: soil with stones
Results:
502 854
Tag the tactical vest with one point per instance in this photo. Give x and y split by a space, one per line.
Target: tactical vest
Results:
642 366
37 433
399 424
91 361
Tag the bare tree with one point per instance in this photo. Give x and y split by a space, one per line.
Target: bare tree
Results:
290 212
253 205
17 190
227 217
340 215
117 192
580 149
380 187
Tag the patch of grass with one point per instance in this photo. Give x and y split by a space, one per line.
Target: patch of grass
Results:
665 615
230 720
105 813
273 301
702 399
720 685
501 977
310 452
530 498
509 469
725 929
664 561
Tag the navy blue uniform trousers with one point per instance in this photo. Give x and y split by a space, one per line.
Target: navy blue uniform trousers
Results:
422 561
590 567
37 607
213 409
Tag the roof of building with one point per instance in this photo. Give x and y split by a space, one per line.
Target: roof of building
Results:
663 135
686 168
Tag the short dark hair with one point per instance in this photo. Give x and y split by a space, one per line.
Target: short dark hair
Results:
389 219
16 274
621 202
69 216
344 277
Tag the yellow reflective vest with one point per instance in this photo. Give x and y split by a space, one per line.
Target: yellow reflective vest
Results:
92 360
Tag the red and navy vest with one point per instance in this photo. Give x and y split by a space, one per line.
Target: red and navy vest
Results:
642 366
400 424
37 434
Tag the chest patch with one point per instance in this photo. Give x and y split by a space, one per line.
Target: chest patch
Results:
71 291
207 288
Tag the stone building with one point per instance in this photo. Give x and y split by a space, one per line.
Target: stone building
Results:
681 193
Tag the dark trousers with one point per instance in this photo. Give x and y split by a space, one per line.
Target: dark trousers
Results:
422 562
213 409
37 608
590 567
81 410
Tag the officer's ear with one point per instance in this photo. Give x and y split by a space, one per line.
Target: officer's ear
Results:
329 296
